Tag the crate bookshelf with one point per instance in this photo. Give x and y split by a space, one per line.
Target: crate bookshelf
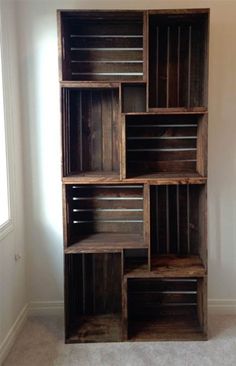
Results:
134 124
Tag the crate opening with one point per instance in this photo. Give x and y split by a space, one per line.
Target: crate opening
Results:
133 98
177 62
165 144
93 297
101 215
164 308
102 46
90 131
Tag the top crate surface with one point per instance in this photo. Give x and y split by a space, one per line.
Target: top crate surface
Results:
99 46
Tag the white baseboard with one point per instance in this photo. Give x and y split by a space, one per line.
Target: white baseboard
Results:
222 306
38 308
13 333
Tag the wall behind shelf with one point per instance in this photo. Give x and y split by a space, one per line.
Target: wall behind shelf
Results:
37 47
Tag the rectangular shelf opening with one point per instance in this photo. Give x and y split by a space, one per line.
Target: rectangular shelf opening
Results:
135 260
90 131
133 97
165 309
178 60
178 231
93 297
168 144
100 45
104 217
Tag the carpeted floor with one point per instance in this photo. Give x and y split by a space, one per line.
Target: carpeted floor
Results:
41 344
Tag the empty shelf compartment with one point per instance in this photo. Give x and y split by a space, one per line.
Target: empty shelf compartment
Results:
133 97
159 143
93 297
166 309
102 46
178 224
104 216
178 60
90 134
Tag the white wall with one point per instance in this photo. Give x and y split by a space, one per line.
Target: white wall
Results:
37 37
13 299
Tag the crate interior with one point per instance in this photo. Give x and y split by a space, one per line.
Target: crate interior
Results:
133 98
162 144
164 308
135 260
90 131
101 215
177 224
102 46
177 60
93 297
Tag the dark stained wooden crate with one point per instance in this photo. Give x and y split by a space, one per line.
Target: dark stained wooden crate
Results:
102 45
90 131
104 217
93 297
178 46
165 143
165 309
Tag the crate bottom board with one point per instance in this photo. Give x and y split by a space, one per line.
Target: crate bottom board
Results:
166 328
97 328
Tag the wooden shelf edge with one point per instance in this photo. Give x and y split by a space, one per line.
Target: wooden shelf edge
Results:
171 267
177 111
99 83
133 180
106 243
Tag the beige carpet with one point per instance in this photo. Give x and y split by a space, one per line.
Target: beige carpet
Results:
41 344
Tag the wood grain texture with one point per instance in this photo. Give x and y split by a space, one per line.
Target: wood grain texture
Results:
134 126
171 266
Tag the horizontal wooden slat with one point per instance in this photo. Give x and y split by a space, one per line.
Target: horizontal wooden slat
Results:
159 156
119 214
161 166
153 299
106 42
111 191
160 131
95 55
172 284
99 28
107 77
108 227
106 68
106 204
158 143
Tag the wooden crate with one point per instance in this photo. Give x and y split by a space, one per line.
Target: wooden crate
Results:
164 143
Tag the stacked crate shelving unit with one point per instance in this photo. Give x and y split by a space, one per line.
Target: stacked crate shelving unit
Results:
134 166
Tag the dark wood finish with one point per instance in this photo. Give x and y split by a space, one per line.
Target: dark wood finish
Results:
165 143
133 97
134 171
164 309
93 297
169 266
90 130
102 45
110 210
154 178
176 223
106 243
177 59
